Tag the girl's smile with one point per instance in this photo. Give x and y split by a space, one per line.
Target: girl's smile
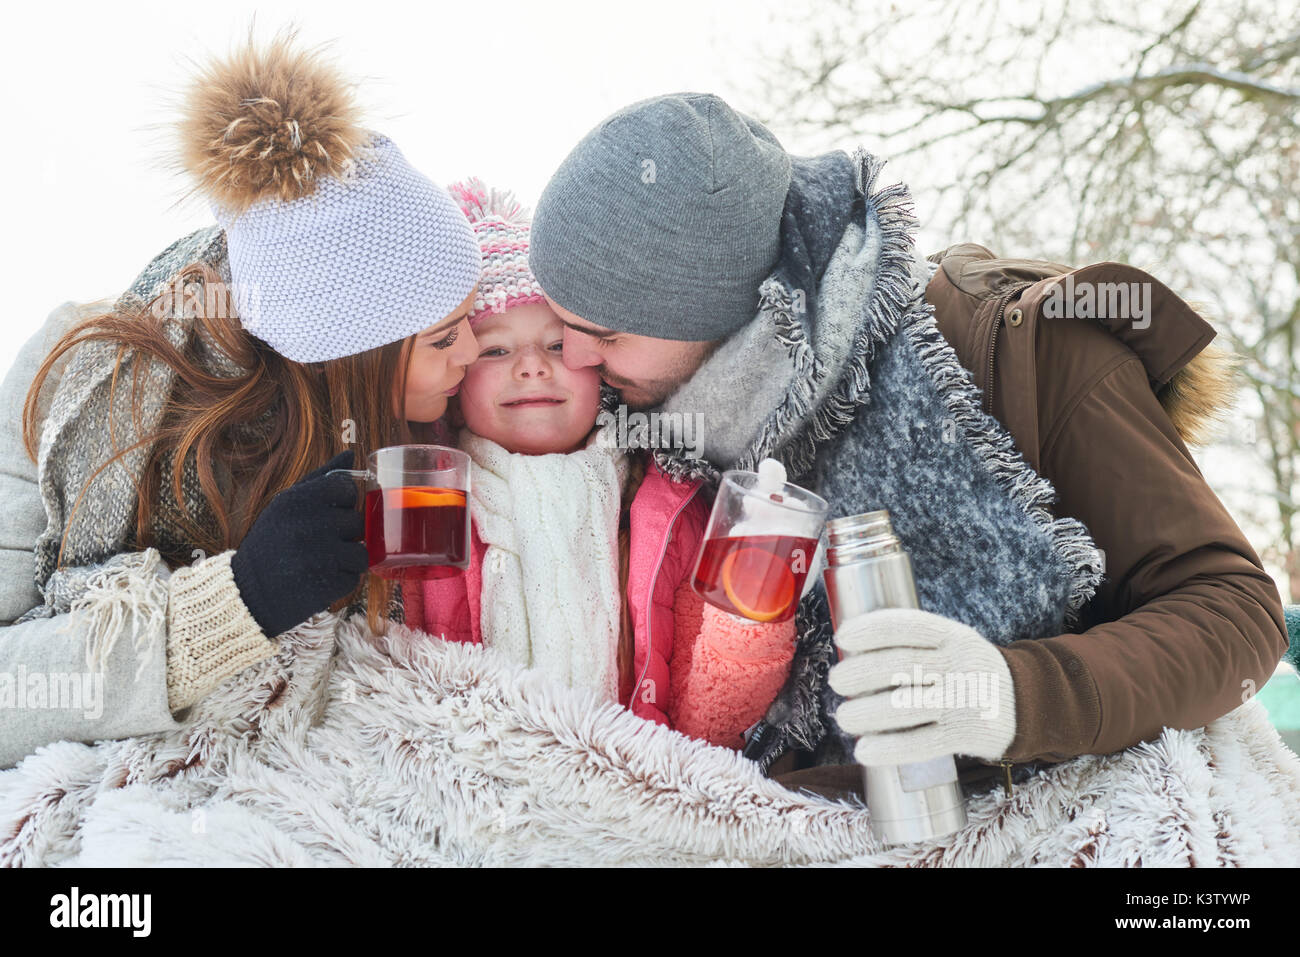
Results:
519 393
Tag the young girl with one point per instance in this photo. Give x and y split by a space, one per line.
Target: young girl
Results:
581 552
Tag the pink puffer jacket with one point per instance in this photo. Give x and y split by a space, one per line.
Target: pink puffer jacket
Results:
699 670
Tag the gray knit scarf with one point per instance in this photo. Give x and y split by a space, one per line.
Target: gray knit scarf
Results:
845 378
90 417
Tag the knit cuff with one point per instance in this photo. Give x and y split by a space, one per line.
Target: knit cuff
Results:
211 634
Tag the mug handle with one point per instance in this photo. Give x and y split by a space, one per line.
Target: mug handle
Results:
364 474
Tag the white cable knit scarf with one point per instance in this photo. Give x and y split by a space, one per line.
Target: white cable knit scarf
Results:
550 573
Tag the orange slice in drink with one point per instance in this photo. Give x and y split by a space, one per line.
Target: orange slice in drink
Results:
757 583
425 497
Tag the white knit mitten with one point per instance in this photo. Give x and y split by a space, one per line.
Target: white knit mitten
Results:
920 686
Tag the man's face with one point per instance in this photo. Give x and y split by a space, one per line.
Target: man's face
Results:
644 370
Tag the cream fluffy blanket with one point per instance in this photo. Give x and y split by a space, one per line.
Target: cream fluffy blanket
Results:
353 749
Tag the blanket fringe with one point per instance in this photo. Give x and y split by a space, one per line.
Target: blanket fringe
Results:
433 753
893 296
129 591
997 452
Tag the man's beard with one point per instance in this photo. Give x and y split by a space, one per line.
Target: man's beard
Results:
643 397
654 394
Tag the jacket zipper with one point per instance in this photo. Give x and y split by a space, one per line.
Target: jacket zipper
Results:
993 341
650 596
988 408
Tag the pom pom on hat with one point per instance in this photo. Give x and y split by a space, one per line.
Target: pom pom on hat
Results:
336 244
501 224
480 202
269 123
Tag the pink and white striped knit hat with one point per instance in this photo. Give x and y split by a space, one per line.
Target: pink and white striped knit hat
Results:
501 225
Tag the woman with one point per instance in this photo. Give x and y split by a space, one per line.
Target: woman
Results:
142 583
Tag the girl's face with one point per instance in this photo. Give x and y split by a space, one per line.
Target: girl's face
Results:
519 393
439 357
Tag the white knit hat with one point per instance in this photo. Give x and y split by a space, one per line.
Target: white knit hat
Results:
360 263
336 244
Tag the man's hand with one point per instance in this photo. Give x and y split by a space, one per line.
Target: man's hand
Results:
920 686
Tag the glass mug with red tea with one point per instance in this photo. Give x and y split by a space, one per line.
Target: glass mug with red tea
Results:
760 544
417 522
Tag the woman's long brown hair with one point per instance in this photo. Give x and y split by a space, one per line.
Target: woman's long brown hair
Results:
261 430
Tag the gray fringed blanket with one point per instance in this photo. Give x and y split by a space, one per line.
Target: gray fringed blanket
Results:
354 749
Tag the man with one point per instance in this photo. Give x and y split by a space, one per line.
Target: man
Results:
704 271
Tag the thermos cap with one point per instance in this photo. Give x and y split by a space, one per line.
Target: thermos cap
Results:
855 527
859 536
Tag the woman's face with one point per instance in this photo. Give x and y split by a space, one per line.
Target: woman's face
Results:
439 357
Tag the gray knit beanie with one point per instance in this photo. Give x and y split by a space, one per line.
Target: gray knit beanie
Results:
664 220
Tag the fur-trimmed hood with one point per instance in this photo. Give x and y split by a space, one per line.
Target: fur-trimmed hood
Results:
1201 393
1192 377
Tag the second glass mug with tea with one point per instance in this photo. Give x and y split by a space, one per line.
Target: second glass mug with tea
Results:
760 545
417 519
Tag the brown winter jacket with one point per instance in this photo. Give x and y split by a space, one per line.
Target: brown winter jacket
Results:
1186 623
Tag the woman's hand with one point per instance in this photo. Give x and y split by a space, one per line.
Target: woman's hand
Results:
919 686
304 551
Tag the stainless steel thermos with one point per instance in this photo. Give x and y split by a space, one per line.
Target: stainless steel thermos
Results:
866 569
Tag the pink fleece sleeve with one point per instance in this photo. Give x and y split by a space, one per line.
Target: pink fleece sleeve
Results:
724 672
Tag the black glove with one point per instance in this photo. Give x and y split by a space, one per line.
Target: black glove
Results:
303 553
